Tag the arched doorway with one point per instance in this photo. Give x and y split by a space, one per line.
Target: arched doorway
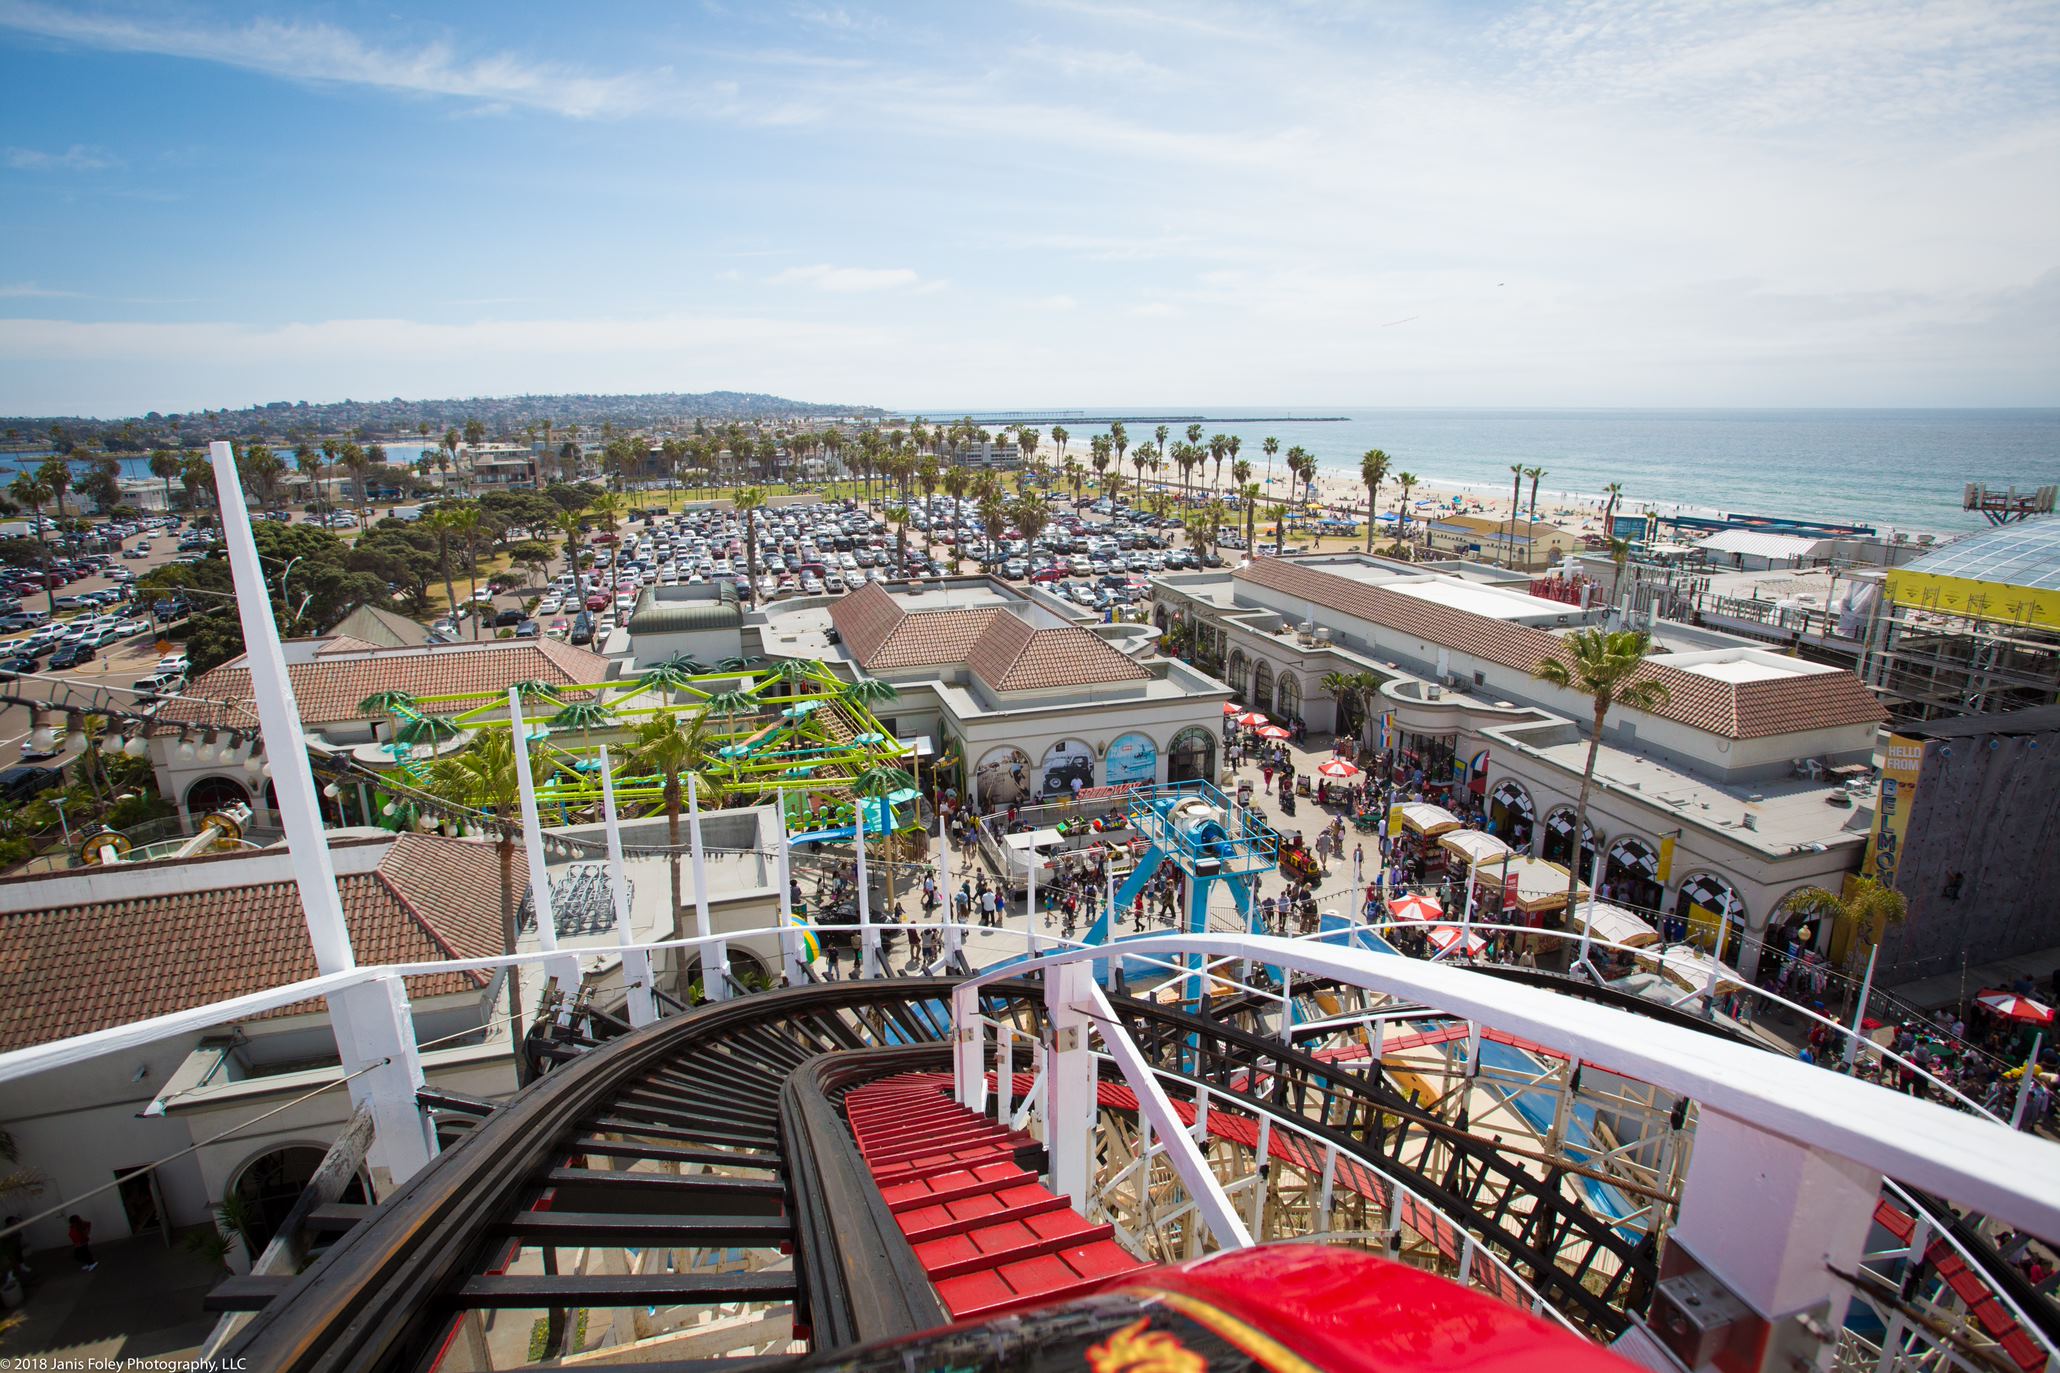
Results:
1162 618
1797 926
1192 757
1234 675
1262 687
1705 898
211 794
1632 876
746 968
272 1182
1287 697
1511 814
1559 840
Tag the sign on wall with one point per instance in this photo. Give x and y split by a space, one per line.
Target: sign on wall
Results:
1899 769
1131 758
1068 767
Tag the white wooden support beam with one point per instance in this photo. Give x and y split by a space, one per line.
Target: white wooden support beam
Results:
794 968
1069 1079
565 969
968 1049
636 963
1182 1153
715 958
375 1036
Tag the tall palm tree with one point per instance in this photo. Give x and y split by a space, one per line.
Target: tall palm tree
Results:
1867 907
1608 667
1373 470
1615 492
1240 478
31 490
1030 515
1219 449
671 747
483 778
749 501
1407 481
898 516
439 523
1516 505
1119 439
880 783
1343 688
1534 473
164 465
994 516
463 522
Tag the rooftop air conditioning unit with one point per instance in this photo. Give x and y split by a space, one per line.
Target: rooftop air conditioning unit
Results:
1436 691
1751 821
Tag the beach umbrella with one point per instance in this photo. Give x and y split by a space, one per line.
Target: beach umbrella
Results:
1416 906
1253 718
1337 767
1443 937
1232 708
1274 732
2011 1006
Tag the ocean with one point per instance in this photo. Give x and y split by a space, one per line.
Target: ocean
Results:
1893 469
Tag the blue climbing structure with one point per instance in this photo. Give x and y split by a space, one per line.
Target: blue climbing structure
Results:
1212 841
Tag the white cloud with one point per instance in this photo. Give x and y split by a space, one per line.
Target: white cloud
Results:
77 158
325 53
851 280
29 290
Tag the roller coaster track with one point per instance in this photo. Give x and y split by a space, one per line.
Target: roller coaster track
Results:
737 1119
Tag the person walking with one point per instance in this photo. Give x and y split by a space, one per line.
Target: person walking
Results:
1358 863
80 1231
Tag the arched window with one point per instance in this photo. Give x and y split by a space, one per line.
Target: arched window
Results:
1262 687
1512 814
1704 899
1287 697
1192 757
272 1182
1235 674
211 794
1632 875
1559 841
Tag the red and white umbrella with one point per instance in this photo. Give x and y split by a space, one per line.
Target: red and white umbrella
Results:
1338 767
1445 936
2011 1006
1232 708
1253 718
1273 732
1416 906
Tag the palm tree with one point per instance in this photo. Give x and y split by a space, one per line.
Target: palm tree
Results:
1373 470
667 678
898 516
438 522
994 517
1269 447
1343 688
869 692
1534 473
748 502
1219 449
1867 906
483 778
1240 478
1608 667
1615 492
1407 481
671 748
1277 512
1119 439
1516 505
880 783
391 704
463 521
31 490
164 465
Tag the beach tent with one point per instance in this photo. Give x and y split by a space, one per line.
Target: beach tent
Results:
1416 907
1424 818
1613 924
1474 846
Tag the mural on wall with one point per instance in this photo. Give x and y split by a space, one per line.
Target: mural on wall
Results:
1003 777
1068 767
1131 758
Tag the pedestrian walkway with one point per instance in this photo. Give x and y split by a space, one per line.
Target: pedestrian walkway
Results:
143 1301
1951 988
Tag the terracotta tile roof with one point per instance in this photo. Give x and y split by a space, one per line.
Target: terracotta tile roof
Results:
1018 658
1734 710
70 970
343 643
329 687
881 635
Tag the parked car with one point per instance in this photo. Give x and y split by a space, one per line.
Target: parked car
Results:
19 783
71 654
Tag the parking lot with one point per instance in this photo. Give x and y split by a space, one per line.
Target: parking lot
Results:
120 659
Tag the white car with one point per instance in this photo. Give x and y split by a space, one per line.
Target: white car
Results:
549 605
174 662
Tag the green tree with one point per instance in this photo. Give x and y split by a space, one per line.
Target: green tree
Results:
1609 668
671 747
483 778
1867 907
31 490
749 501
164 465
1373 470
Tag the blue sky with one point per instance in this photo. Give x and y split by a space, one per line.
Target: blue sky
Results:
1045 202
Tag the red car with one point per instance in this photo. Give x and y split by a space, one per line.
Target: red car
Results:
598 601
